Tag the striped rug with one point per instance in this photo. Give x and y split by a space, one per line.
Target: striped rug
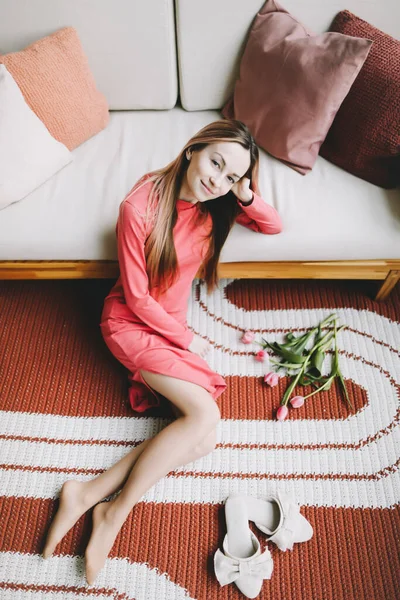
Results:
64 415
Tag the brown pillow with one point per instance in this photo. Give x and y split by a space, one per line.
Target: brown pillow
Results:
365 136
54 77
292 83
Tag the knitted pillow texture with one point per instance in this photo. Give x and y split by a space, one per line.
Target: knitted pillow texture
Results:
365 136
291 84
56 82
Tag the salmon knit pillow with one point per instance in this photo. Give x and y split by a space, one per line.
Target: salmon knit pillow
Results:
365 136
54 77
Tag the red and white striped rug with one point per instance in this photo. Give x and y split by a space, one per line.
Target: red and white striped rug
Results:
64 415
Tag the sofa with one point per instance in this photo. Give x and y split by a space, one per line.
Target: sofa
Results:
167 69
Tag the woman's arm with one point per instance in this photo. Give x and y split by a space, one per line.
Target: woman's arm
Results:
135 283
259 216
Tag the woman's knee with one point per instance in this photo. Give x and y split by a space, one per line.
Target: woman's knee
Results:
190 399
208 416
206 445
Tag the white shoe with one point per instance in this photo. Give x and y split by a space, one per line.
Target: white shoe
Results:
279 516
241 561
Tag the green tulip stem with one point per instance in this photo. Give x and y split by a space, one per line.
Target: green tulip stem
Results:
320 388
293 384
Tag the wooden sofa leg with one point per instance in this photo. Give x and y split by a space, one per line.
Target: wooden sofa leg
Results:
392 278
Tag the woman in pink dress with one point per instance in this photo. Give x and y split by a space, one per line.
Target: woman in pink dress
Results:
173 221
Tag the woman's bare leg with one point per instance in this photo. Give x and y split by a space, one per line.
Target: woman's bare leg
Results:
169 449
77 497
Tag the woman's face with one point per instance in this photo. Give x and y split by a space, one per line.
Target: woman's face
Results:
213 170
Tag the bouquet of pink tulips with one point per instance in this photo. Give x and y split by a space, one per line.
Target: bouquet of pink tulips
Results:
305 365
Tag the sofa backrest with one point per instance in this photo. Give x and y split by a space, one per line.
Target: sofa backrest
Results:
211 36
130 44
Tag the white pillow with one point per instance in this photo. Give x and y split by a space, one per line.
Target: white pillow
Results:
29 155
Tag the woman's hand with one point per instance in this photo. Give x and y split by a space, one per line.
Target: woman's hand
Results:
242 190
199 346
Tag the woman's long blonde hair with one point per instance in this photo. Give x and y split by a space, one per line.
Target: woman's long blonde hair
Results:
161 259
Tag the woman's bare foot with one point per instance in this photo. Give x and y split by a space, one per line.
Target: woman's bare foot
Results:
105 530
71 508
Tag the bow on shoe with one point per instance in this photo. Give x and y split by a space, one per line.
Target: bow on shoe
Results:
284 536
292 528
284 539
229 569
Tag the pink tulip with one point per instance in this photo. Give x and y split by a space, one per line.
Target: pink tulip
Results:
282 413
261 355
272 379
247 337
297 401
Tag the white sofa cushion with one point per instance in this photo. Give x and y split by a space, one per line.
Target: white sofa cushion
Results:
327 215
130 44
29 155
211 36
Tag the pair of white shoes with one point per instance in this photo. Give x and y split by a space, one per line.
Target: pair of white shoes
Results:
242 561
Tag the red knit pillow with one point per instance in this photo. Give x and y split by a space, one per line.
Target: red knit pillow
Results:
364 138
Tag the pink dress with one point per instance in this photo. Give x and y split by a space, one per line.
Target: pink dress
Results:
143 333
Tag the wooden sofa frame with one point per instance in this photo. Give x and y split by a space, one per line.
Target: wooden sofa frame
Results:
387 271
